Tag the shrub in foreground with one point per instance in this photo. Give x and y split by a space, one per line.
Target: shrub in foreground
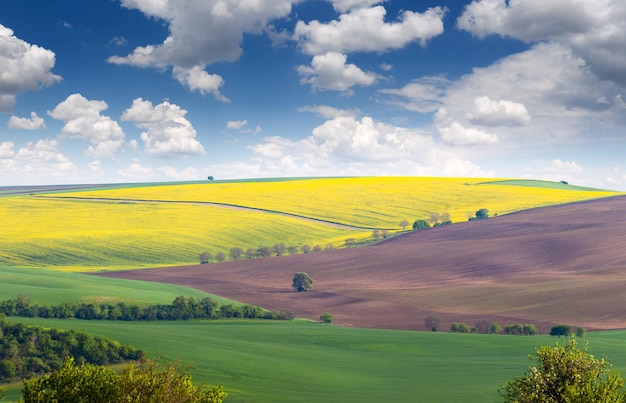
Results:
146 382
565 373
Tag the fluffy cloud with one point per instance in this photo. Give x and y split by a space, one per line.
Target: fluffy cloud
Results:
236 124
240 126
351 146
594 30
23 67
168 133
343 6
43 158
544 95
328 112
6 149
488 112
556 170
137 172
421 95
34 123
330 72
196 79
365 30
201 33
83 121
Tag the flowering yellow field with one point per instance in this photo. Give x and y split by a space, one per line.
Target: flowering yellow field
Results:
379 202
62 232
89 235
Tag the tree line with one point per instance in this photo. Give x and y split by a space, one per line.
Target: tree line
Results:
182 308
27 351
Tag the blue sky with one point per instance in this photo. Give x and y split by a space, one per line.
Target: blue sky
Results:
168 90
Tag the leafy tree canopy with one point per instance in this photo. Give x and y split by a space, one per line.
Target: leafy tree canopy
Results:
146 382
565 373
302 282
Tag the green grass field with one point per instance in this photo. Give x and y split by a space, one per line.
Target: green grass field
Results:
47 287
260 361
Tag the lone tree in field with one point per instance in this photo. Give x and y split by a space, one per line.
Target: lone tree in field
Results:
561 330
205 257
432 323
420 224
302 282
482 214
565 373
404 224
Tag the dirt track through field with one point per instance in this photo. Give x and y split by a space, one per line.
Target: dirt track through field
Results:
213 204
561 264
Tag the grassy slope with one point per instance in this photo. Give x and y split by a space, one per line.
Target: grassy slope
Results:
303 361
46 287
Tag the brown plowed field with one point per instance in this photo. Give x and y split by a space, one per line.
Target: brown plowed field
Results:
563 264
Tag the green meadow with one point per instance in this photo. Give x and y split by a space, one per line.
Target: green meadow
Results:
299 361
263 361
47 287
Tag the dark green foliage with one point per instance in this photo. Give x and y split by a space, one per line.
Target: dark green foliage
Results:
420 224
326 318
460 328
145 382
481 214
561 330
302 282
182 308
565 373
26 351
581 332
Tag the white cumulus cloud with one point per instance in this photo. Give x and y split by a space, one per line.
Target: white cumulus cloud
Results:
365 30
489 112
594 30
23 67
201 33
83 121
33 123
331 72
347 145
459 135
168 133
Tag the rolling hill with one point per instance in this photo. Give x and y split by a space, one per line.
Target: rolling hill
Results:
558 264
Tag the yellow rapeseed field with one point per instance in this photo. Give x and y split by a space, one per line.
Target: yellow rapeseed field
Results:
92 235
171 225
379 202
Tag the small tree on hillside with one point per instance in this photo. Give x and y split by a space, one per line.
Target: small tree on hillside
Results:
404 224
236 253
420 224
565 373
205 257
482 214
432 323
302 282
220 257
561 330
326 318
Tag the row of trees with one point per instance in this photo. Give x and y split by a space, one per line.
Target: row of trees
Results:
433 323
26 351
182 308
439 219
280 249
